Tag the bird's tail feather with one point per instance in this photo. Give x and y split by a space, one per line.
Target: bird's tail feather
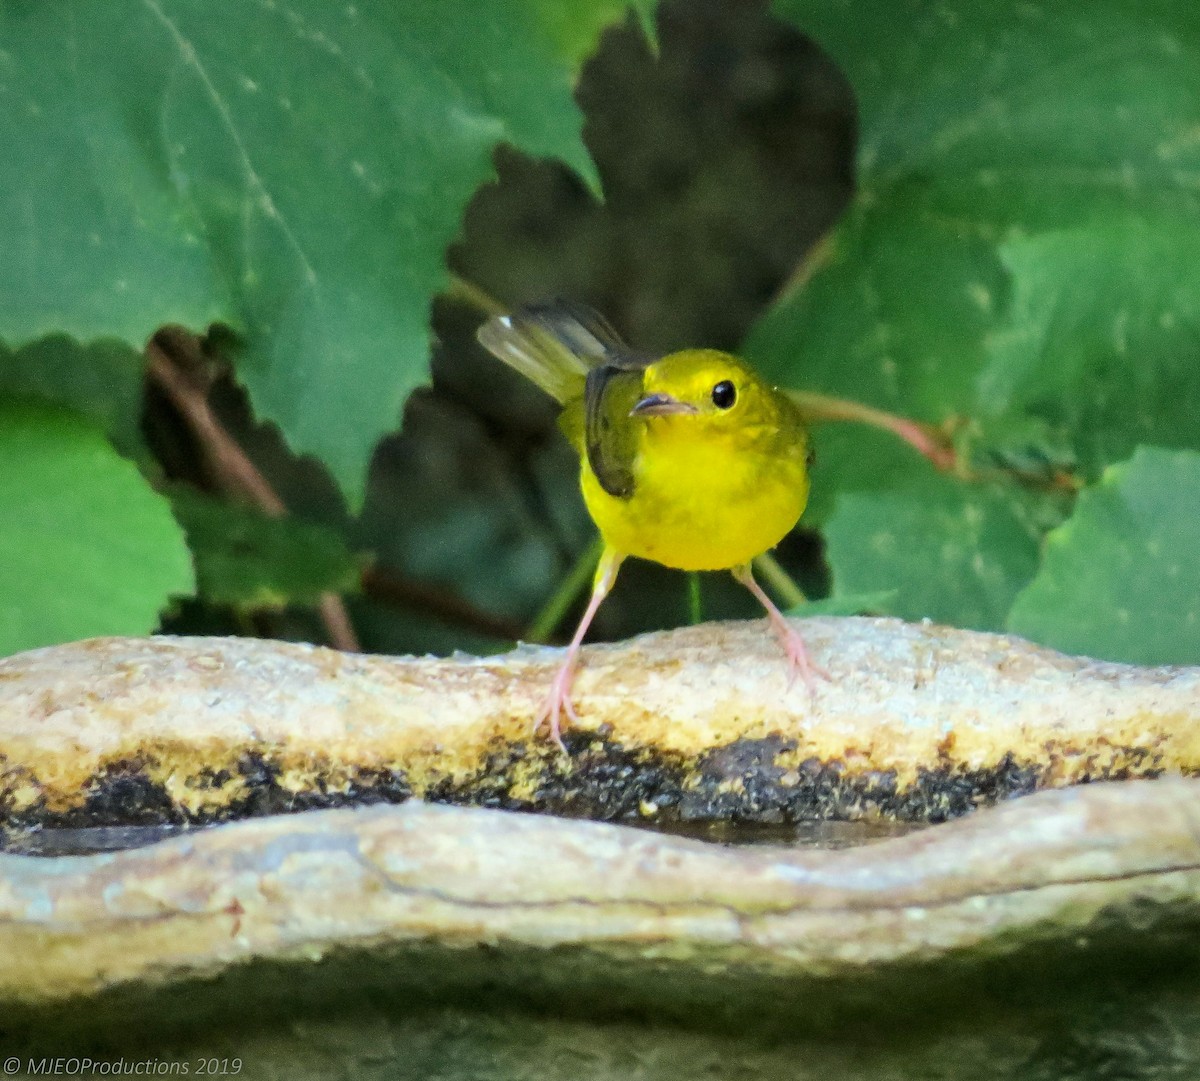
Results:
554 344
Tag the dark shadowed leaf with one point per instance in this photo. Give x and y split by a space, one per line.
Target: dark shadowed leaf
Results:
249 561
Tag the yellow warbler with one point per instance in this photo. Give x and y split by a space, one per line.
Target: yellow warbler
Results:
690 459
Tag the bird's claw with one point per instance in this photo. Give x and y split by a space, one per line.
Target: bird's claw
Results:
799 662
558 702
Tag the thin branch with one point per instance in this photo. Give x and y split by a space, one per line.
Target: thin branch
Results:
469 293
695 599
390 588
234 470
814 259
232 467
928 440
336 618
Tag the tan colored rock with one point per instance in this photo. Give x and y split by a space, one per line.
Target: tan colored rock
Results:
918 722
297 887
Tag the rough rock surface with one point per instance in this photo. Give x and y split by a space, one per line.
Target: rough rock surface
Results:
1053 936
917 723
298 886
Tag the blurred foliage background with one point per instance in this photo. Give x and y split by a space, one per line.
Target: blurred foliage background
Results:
230 269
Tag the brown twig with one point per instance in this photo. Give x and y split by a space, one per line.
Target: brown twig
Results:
390 588
234 470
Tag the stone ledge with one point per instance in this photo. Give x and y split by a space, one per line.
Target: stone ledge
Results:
918 723
587 896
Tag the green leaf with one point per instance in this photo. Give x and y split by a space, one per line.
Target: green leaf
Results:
952 553
1019 256
1120 579
1035 114
294 170
102 381
575 25
1025 222
88 548
251 562
895 316
1102 344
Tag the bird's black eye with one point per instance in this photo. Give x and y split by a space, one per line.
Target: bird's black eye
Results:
724 394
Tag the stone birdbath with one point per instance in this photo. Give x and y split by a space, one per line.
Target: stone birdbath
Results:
964 856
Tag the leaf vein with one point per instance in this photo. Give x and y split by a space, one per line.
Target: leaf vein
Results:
265 201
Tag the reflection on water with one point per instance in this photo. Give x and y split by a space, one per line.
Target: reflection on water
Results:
797 834
84 841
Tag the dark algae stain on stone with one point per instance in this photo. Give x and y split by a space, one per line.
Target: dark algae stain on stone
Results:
211 779
747 781
378 785
601 780
762 781
127 793
264 795
489 786
741 781
124 793
951 791
610 782
754 780
750 781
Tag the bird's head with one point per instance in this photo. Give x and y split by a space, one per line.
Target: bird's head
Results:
712 390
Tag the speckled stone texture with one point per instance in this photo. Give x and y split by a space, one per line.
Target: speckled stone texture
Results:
917 723
1051 936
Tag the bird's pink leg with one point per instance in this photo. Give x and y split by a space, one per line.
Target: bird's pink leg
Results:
558 698
789 637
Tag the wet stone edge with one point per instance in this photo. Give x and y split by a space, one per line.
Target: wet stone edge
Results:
747 781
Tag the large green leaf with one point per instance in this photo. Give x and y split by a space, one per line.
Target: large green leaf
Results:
292 169
1102 343
102 381
1025 223
1020 255
574 25
1120 579
953 553
87 547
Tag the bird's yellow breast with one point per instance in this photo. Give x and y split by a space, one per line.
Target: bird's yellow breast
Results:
704 500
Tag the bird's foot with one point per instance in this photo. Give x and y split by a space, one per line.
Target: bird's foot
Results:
557 703
799 662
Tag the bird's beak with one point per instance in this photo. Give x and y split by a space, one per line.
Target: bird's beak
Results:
661 405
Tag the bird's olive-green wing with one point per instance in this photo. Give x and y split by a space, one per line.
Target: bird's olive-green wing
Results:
612 388
580 330
574 355
610 433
